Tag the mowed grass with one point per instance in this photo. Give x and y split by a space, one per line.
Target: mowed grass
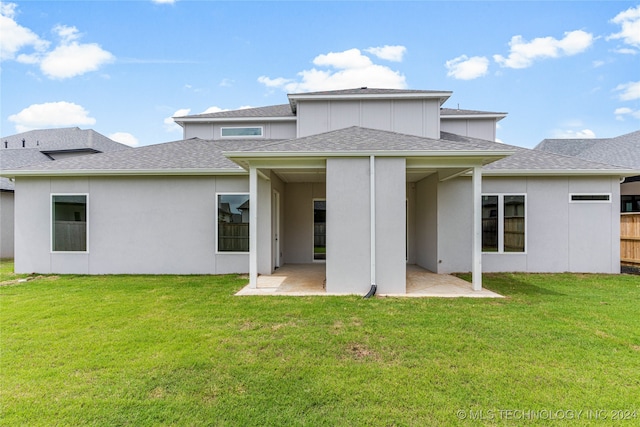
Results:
182 350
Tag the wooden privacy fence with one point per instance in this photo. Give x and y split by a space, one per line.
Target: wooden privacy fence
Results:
630 238
233 237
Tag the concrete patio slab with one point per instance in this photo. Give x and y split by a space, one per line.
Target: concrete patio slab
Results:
308 279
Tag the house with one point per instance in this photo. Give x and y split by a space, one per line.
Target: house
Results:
363 180
623 150
41 146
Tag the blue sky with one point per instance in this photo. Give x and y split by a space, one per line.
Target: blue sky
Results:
123 68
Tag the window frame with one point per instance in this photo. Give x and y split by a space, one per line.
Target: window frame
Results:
589 194
51 219
500 214
223 128
217 230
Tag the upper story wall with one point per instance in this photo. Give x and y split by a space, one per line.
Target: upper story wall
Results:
419 117
270 130
484 128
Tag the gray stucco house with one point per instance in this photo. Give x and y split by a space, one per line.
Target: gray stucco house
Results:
363 180
41 146
623 150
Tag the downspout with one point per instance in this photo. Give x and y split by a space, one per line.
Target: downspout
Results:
372 212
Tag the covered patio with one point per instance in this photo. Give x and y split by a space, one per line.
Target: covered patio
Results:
308 280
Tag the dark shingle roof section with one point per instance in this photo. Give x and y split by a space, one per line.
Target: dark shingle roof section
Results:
525 159
623 150
282 110
41 141
61 139
183 155
359 139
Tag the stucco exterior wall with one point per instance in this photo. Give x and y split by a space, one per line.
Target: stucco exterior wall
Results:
426 227
156 225
560 235
6 224
413 117
298 220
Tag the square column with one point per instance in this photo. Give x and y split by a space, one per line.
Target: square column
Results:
476 265
253 227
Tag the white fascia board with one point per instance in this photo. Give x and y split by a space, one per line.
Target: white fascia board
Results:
232 119
123 172
560 172
472 116
442 96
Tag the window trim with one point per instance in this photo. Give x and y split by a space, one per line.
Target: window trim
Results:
222 128
217 237
51 249
501 197
589 194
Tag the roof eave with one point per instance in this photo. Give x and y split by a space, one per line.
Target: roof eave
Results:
368 153
294 98
122 172
560 172
497 116
181 120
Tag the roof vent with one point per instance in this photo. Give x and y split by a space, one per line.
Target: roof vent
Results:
363 87
6 144
22 142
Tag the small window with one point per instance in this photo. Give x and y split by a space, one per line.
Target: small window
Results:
629 204
241 132
68 223
233 222
597 198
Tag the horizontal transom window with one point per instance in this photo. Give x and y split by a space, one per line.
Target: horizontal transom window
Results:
602 198
227 132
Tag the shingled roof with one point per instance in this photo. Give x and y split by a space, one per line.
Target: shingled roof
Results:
33 147
622 150
282 110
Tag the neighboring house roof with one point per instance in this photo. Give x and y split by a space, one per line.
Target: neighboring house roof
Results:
40 144
622 150
197 156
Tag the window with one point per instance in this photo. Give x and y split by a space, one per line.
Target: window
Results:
233 222
629 204
585 198
503 223
241 131
69 222
319 230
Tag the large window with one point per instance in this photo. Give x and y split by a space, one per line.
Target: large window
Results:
227 132
503 223
233 222
69 222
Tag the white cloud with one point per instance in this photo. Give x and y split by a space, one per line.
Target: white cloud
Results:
628 91
68 59
626 51
623 112
213 109
125 138
226 82
389 53
523 54
51 114
465 68
629 21
164 1
170 125
347 69
14 36
574 134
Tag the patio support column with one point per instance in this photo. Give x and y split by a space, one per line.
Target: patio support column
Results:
253 227
476 269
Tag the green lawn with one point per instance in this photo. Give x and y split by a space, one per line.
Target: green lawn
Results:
182 350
